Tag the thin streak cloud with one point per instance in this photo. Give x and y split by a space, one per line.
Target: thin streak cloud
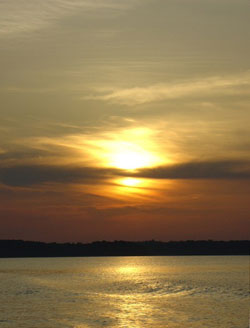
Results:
160 92
20 16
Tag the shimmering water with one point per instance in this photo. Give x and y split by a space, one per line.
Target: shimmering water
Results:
125 292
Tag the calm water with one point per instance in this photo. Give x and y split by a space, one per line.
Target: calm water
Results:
125 292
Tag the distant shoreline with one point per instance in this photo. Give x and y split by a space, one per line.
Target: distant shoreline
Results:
33 249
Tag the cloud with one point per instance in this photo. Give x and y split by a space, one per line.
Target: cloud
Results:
159 92
18 16
199 170
27 175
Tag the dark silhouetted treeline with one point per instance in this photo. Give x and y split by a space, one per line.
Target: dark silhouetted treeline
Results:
20 248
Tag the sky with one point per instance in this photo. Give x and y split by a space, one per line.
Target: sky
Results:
124 120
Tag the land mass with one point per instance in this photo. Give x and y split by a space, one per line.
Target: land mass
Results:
20 248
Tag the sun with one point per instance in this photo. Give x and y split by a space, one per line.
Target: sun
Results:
129 150
131 160
130 155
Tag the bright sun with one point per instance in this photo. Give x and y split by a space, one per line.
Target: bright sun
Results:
131 160
128 150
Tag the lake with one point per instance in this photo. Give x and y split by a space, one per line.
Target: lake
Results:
125 292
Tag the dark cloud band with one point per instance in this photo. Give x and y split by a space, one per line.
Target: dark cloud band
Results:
199 170
38 174
27 175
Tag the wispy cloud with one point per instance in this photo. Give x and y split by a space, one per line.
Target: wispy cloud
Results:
18 16
159 92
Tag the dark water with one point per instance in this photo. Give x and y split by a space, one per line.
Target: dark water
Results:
131 292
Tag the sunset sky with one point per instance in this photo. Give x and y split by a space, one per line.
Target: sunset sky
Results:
124 119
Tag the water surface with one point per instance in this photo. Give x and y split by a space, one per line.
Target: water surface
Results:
125 292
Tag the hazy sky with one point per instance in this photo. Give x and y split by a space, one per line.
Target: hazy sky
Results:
124 119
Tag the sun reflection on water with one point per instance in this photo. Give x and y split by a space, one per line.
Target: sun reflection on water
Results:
129 270
134 312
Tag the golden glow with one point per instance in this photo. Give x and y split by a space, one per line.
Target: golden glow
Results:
130 182
129 150
131 191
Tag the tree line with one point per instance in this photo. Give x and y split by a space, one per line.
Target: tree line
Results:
21 248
